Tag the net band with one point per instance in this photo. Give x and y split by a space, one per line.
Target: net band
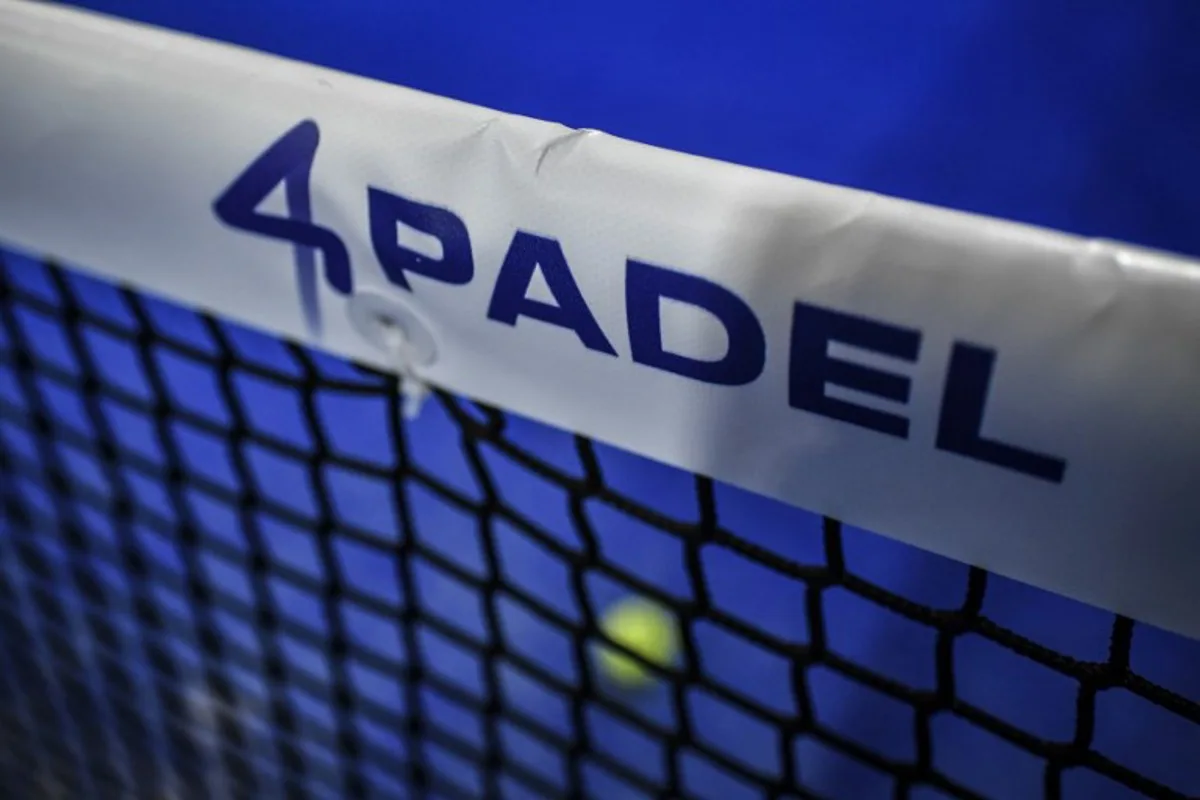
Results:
1013 398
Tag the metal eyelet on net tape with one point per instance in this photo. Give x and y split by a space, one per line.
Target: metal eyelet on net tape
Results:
397 330
378 319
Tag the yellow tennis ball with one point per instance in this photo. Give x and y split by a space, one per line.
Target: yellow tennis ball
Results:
644 628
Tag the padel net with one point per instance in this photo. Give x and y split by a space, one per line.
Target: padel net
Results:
335 417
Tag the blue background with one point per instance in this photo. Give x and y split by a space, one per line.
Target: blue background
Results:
1083 117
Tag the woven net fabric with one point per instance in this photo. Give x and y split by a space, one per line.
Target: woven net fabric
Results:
230 568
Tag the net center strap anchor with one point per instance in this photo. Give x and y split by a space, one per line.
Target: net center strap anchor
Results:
403 336
412 388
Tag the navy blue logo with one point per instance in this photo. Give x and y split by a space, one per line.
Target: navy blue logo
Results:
812 369
289 161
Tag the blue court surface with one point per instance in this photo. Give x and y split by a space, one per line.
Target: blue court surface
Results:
1078 117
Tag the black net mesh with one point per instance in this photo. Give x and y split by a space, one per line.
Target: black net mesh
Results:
230 569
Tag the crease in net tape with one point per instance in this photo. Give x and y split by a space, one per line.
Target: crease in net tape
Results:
398 331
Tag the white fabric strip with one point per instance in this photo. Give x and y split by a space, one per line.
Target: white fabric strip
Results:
1011 397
